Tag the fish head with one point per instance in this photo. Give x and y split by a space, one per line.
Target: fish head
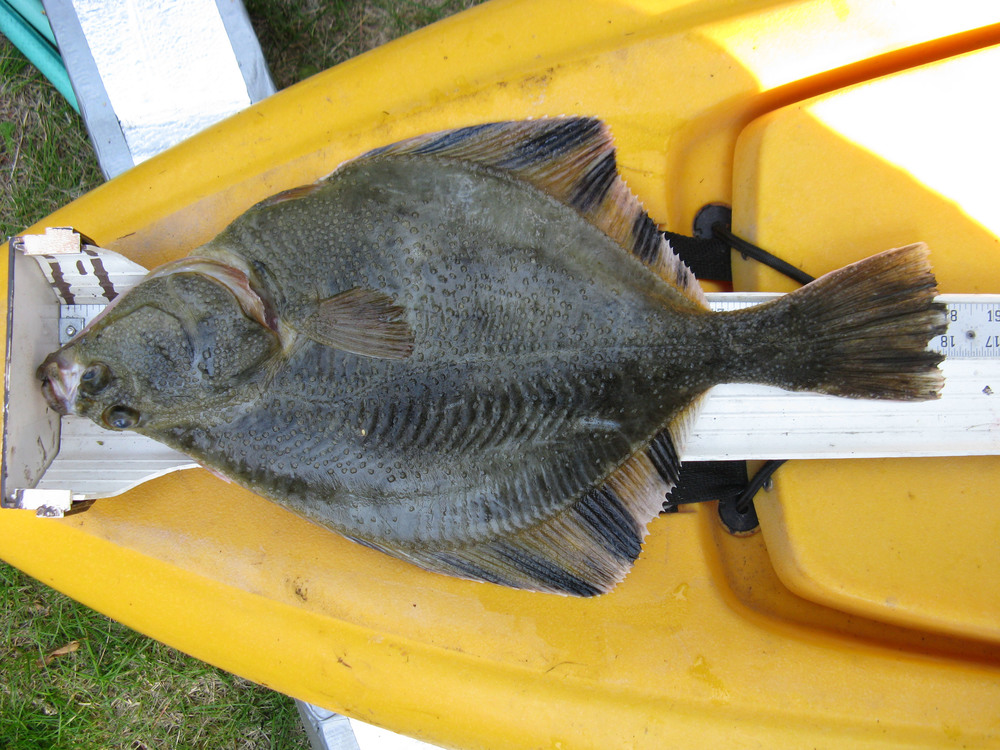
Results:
64 380
176 347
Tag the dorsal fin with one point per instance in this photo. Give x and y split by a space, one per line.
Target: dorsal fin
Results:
573 160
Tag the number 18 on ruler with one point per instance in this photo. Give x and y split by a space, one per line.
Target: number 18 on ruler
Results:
973 327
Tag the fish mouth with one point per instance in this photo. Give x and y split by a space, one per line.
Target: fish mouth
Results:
60 378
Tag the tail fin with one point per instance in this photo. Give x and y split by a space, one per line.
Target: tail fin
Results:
862 331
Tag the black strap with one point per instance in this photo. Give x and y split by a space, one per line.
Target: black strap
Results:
749 250
707 480
708 258
708 255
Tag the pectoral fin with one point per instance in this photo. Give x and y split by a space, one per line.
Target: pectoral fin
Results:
361 321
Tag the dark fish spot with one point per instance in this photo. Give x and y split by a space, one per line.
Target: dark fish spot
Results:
520 560
551 143
645 238
454 138
593 186
663 454
605 513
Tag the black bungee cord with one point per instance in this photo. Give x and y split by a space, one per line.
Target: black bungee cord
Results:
721 231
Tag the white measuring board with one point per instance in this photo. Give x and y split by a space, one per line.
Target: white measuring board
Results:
760 422
735 422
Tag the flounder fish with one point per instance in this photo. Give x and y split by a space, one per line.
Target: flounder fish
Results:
472 350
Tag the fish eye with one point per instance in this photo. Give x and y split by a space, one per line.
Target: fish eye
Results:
121 417
95 378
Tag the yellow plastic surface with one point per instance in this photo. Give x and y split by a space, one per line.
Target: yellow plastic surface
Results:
703 645
909 157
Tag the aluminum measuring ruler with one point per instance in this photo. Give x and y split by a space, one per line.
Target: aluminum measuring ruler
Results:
761 422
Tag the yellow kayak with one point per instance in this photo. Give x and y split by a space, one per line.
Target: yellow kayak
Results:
865 611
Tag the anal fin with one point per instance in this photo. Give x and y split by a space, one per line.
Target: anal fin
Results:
584 550
361 321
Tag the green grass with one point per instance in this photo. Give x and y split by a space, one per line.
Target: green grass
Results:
45 157
71 677
118 689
